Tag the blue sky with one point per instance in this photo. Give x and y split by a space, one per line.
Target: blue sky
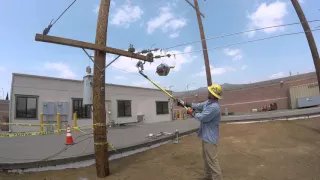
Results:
161 23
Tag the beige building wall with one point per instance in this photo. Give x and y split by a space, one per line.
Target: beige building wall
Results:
47 89
305 90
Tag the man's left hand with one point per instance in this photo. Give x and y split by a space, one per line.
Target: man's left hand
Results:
190 111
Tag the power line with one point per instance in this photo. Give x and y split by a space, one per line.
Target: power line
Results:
126 71
220 47
245 42
66 147
64 12
47 29
237 33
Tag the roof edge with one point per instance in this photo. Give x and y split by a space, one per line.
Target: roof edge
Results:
74 80
236 87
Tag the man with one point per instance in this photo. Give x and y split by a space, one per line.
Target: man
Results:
209 117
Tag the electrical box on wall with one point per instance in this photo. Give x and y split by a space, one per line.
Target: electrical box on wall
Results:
308 101
62 108
87 89
48 108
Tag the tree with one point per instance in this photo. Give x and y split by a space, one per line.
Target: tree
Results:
7 98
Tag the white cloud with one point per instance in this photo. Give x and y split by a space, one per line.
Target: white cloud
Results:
166 21
301 1
191 88
96 9
232 52
238 57
112 4
174 35
126 14
62 69
310 70
221 70
273 76
247 82
188 49
2 69
215 70
244 67
236 54
277 75
129 64
174 24
145 83
120 78
251 34
268 15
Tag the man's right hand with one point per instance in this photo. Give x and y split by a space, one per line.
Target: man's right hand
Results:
190 112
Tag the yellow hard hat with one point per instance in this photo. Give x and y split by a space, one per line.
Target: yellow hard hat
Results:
216 90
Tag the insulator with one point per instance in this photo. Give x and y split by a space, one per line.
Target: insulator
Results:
138 65
88 69
150 56
144 51
131 48
46 30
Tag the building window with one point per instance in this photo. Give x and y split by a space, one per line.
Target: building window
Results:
124 108
26 106
162 107
81 110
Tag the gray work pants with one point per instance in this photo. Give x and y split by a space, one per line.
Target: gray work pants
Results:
211 163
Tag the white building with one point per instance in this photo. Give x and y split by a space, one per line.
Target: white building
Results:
32 95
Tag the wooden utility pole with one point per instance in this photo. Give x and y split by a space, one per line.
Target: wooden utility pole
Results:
311 41
203 41
204 45
99 114
194 7
99 111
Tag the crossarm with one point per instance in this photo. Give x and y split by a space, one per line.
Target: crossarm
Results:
86 45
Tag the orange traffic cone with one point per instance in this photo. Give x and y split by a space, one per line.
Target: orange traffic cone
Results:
69 139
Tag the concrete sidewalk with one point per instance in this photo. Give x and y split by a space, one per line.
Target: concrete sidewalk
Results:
272 114
22 152
36 148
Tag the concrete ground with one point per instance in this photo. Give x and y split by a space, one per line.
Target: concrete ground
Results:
272 114
270 150
35 148
278 114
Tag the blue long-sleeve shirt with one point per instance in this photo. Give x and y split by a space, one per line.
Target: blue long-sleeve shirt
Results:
209 118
